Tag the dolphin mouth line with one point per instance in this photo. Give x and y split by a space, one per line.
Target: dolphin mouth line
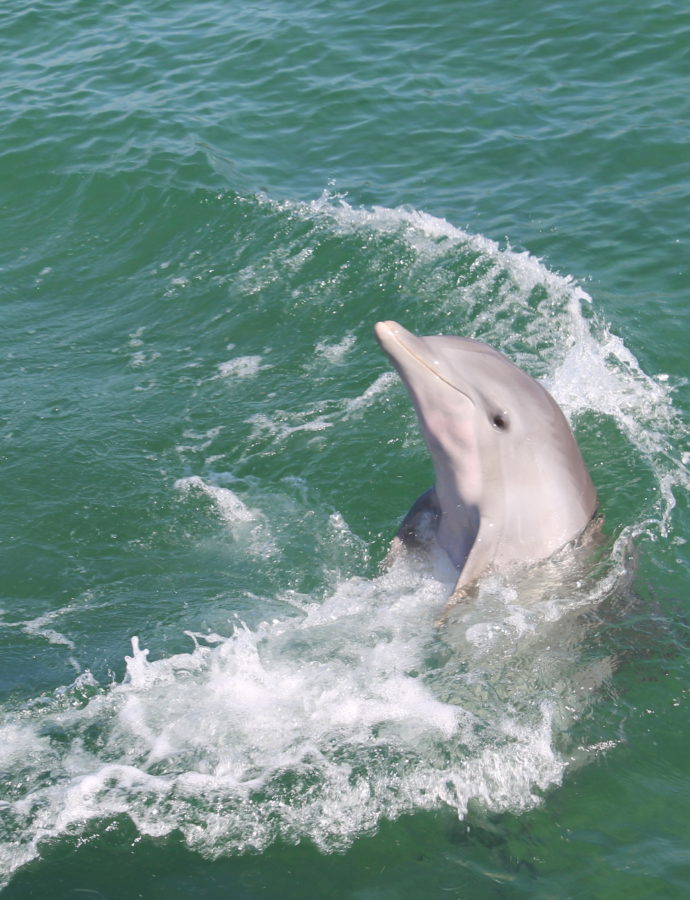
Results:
422 362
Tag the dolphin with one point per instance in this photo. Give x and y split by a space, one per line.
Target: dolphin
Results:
511 486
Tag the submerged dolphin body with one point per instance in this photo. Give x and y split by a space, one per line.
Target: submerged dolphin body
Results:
511 485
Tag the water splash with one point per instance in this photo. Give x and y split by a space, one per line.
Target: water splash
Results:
352 706
543 320
314 726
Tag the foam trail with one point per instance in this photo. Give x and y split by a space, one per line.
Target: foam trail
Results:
311 727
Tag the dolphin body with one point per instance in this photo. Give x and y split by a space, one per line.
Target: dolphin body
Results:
511 485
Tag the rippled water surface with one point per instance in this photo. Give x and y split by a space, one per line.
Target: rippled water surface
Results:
209 687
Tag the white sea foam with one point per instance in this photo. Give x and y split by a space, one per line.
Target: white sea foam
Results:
283 425
244 523
372 393
281 430
139 356
39 626
314 726
428 234
232 509
335 353
42 626
241 366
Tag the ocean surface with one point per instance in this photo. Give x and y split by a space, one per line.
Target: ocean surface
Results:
209 687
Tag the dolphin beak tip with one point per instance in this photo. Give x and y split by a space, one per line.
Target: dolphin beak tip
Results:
385 327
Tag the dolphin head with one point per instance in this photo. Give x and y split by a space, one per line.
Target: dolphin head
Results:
511 484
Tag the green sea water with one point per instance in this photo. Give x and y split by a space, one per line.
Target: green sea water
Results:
208 686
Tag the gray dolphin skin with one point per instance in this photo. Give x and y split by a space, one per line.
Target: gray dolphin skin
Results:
511 485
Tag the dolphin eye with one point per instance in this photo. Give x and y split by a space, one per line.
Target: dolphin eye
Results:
500 421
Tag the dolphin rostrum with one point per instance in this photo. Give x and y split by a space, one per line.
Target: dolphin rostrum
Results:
511 485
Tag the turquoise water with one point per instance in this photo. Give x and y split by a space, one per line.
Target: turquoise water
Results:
208 687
